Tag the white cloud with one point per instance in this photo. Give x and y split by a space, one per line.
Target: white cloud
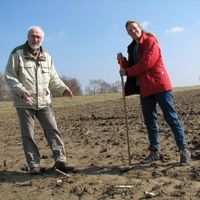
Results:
60 34
55 36
145 24
116 26
175 30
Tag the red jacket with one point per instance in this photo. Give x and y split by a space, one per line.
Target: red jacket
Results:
153 76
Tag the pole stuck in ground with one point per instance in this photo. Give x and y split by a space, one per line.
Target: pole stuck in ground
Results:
125 111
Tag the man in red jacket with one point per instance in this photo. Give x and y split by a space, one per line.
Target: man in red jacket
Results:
147 76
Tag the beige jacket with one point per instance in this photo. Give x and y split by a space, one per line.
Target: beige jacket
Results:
26 73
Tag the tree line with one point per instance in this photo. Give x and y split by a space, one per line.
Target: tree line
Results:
94 87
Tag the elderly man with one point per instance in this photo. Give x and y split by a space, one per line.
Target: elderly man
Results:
29 73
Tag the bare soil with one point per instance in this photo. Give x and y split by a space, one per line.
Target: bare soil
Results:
96 143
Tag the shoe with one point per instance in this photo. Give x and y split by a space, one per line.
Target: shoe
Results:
153 156
34 171
63 166
184 156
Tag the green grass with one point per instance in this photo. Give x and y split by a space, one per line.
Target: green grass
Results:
187 88
84 99
6 108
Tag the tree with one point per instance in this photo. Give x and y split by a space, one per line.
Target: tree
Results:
116 86
5 92
73 85
100 86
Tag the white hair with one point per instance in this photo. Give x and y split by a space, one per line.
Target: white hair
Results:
32 27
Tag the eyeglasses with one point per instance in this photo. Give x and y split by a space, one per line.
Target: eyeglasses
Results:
36 36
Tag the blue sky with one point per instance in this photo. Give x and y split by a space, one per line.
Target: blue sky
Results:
84 36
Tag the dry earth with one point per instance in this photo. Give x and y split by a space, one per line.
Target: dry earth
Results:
96 143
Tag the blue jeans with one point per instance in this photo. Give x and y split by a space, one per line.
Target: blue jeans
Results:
166 103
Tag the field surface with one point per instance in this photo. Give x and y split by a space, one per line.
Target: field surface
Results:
94 132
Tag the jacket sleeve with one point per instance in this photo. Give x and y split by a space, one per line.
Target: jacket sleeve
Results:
11 75
55 81
148 56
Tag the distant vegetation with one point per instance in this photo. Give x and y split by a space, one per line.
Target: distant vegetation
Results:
94 87
100 87
7 108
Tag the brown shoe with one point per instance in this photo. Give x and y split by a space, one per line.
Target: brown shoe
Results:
34 171
63 166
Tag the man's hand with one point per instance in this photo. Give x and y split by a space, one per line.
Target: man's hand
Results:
26 96
67 93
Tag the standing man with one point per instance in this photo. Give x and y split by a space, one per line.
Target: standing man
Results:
29 73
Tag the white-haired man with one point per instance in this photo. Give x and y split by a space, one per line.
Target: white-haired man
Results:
29 73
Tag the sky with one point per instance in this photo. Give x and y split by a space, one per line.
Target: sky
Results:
84 36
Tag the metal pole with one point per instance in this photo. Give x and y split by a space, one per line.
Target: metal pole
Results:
125 111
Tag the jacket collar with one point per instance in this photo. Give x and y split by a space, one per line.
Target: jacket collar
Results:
29 55
143 37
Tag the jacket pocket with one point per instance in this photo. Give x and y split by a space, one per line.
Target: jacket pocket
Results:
45 74
45 69
27 74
